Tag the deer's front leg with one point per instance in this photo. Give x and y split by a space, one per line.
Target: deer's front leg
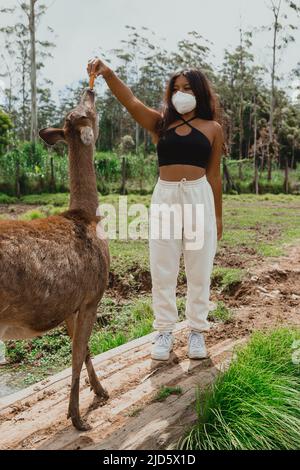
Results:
83 324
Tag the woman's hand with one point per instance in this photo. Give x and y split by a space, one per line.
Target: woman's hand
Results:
97 67
219 228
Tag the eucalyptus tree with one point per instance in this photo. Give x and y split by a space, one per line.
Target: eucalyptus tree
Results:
282 30
237 84
25 55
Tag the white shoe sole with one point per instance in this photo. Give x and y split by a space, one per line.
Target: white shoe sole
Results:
160 358
197 356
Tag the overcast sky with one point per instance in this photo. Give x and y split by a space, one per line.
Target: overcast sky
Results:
82 26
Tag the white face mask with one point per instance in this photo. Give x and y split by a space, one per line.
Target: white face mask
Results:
183 102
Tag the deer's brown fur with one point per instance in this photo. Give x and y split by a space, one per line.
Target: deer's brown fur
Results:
56 269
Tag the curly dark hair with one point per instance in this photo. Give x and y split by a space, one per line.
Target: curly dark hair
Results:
207 107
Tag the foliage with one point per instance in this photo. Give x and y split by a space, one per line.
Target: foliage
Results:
5 127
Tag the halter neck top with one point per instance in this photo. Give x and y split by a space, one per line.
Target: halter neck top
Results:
191 149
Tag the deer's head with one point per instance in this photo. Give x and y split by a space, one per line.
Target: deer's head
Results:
81 123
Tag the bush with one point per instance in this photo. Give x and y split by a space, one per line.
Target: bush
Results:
28 167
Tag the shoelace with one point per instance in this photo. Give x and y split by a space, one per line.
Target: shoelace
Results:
163 339
196 340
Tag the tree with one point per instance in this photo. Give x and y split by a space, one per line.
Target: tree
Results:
5 127
32 26
28 53
282 35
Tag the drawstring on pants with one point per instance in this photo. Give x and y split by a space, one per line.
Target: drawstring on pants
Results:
182 185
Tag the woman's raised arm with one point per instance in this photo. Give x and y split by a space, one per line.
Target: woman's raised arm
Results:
145 116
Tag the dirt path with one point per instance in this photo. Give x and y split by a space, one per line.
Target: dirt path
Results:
35 418
13 211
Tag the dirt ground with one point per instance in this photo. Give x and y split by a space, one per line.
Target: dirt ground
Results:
35 418
13 211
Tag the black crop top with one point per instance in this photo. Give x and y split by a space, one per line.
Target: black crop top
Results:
191 149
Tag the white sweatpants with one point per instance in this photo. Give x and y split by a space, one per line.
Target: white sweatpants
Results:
167 245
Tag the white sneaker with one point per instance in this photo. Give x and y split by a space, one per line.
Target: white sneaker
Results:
197 348
163 346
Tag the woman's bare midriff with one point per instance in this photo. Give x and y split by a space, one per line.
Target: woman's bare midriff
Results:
177 172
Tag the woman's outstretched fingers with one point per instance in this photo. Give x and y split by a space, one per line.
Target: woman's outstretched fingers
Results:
89 66
96 67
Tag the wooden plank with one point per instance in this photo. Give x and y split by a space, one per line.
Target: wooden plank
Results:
131 378
98 360
115 415
160 425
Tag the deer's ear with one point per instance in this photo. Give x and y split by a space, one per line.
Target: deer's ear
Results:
51 135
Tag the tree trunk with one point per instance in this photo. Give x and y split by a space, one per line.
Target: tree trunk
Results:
293 154
123 188
145 142
249 138
228 182
17 182
52 177
230 132
262 160
241 107
276 10
269 161
33 131
241 135
255 150
136 137
286 175
24 97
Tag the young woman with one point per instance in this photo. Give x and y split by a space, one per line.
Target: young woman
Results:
189 146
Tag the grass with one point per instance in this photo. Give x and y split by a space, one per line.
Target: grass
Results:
270 250
262 223
254 405
43 211
54 199
31 215
221 313
165 392
227 278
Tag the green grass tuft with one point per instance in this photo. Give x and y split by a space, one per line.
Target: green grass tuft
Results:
254 405
220 313
164 392
227 278
31 215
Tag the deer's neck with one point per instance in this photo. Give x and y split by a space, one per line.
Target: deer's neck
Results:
83 187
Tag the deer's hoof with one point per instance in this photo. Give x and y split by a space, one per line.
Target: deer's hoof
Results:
104 394
80 425
101 393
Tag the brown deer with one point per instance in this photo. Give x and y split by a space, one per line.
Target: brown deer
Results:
56 269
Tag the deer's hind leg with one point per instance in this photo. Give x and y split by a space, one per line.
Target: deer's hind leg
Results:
80 328
93 378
